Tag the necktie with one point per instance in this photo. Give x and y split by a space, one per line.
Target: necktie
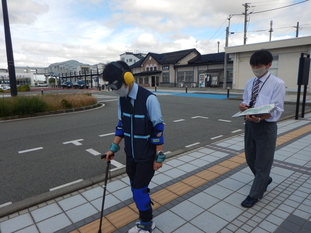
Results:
255 93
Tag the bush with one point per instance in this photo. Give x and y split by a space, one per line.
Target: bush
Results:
21 105
24 105
24 88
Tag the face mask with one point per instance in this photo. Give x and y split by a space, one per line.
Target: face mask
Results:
123 91
260 71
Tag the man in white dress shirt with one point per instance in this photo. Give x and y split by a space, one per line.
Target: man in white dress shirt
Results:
261 130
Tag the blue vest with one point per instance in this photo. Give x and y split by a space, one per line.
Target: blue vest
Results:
137 127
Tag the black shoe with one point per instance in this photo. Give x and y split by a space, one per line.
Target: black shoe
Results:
269 182
249 202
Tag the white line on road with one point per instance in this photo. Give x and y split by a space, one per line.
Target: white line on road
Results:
235 131
75 142
202 117
107 134
65 185
179 120
34 149
192 144
93 152
5 204
117 165
217 137
224 120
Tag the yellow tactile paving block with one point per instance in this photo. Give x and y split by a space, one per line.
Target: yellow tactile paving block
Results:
94 227
194 181
129 214
294 134
238 159
163 196
180 188
229 164
219 169
122 217
207 175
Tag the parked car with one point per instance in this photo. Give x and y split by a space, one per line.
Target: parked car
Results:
67 84
42 85
5 87
80 84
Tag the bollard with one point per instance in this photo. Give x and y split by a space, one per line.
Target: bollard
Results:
186 89
155 88
41 91
228 92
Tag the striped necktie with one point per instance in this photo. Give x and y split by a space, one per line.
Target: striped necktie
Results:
255 93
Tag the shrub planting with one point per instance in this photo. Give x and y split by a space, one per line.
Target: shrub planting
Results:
25 105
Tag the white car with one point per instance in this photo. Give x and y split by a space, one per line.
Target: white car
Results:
5 87
42 85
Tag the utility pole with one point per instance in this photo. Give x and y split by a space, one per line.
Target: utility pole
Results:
271 30
9 49
225 58
246 7
297 29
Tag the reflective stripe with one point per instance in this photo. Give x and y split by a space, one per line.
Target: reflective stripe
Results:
135 116
137 136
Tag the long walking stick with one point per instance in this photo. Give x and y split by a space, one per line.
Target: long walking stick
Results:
102 210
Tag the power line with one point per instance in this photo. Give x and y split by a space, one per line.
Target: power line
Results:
279 7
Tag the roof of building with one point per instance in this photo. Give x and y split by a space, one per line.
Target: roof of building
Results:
166 58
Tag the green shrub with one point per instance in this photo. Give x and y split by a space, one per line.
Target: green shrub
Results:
5 109
27 105
65 104
24 88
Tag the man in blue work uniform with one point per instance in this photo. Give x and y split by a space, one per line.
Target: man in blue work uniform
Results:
261 130
141 126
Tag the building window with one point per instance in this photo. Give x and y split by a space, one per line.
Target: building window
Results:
180 76
147 68
146 80
166 77
189 76
275 65
150 68
154 68
166 67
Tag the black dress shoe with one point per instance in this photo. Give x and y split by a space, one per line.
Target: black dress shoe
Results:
269 182
249 202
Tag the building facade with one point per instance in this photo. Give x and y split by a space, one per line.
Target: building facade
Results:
285 65
131 58
181 68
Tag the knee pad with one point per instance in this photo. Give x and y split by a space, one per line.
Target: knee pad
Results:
142 198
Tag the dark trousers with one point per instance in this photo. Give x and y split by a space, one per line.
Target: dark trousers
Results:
140 174
260 142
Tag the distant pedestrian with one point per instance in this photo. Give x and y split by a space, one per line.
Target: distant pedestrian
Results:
261 130
141 126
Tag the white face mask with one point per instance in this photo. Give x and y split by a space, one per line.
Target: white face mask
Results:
260 71
123 91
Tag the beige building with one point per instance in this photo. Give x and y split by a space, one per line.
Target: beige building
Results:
181 68
285 65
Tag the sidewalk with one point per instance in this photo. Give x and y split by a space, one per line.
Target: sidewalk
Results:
197 191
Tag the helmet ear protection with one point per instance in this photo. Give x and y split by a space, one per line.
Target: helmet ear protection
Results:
128 77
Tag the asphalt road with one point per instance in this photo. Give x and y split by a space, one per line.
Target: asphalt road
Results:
42 153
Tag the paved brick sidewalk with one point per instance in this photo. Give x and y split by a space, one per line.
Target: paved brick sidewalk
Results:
197 191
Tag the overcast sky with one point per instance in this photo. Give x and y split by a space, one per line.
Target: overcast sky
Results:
93 31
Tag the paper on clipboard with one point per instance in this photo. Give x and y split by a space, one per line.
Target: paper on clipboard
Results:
265 109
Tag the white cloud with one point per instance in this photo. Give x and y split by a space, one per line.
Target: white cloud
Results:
93 31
